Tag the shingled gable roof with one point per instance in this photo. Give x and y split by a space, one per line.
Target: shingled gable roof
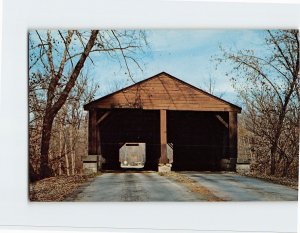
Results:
163 91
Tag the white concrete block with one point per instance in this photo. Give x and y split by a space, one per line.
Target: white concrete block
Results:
164 168
243 168
89 168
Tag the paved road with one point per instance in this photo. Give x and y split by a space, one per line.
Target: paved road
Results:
233 187
149 186
146 186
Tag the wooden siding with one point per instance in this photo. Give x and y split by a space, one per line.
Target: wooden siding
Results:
163 91
92 136
232 135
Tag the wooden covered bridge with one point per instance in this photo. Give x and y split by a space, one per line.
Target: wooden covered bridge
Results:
162 110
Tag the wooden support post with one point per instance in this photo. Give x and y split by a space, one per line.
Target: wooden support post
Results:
98 141
92 147
163 137
232 127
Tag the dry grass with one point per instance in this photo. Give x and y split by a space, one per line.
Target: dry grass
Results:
192 185
56 188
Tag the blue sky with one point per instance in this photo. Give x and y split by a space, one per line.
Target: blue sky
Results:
185 54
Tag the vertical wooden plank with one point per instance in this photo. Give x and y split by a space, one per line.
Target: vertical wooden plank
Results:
232 135
98 141
163 137
98 134
92 138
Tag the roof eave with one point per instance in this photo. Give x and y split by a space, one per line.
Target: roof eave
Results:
89 105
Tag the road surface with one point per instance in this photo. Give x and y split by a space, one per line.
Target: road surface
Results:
134 186
234 187
150 186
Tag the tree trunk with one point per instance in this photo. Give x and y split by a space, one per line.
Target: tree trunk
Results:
72 150
73 162
277 136
66 158
53 108
45 169
273 160
286 167
59 154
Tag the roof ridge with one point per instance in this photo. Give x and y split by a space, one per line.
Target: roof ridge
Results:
155 76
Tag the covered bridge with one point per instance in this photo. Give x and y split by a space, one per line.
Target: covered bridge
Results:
162 110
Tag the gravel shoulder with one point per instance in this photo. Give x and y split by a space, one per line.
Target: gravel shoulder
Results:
192 185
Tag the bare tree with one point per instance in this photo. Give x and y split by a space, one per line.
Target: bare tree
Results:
268 83
70 119
56 58
209 85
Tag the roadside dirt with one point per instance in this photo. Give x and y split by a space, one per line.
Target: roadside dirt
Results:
191 185
56 188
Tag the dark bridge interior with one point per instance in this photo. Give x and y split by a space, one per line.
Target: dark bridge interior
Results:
123 126
199 138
